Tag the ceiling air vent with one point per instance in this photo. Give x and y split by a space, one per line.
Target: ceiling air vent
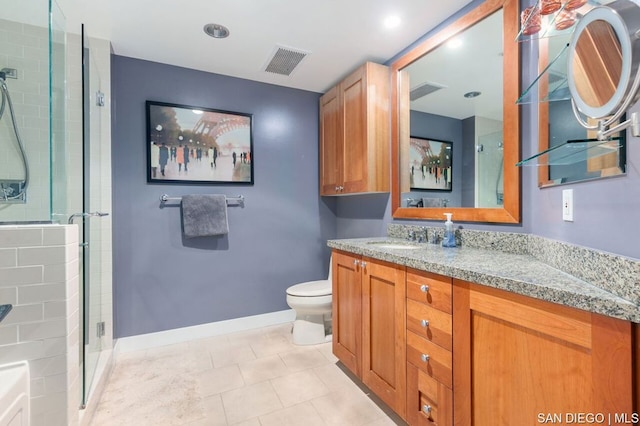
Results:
424 89
284 60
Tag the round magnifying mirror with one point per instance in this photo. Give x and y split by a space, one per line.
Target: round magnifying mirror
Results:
603 59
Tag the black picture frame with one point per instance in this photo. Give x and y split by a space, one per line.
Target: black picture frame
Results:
198 145
430 164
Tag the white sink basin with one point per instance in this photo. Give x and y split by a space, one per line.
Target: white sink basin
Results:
394 246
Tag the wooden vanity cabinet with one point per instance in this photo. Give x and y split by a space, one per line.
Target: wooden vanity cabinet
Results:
369 324
355 133
519 360
429 349
443 351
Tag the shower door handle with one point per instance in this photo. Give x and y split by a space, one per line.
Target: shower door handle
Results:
85 214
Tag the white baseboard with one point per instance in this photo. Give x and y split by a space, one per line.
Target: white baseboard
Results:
179 335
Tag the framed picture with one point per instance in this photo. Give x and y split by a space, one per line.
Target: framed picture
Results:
430 164
189 144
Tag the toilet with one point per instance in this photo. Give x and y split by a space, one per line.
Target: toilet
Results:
312 303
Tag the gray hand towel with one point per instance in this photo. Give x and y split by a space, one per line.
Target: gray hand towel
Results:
204 215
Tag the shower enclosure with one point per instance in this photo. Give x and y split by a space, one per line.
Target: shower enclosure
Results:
489 166
62 118
489 159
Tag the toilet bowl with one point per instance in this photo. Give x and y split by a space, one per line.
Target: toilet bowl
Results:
312 303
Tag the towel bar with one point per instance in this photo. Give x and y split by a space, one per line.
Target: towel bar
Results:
239 200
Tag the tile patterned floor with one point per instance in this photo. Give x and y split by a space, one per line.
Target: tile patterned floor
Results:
253 378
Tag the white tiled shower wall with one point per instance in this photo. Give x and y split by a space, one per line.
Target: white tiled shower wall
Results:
25 47
39 276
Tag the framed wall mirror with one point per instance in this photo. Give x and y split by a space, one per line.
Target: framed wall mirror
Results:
460 85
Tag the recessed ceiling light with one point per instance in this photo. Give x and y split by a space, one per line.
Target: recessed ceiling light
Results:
392 21
216 30
454 43
470 95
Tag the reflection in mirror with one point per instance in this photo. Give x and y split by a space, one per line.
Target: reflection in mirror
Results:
455 94
597 63
460 85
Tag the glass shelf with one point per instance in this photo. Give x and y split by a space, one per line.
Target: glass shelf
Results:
574 151
558 85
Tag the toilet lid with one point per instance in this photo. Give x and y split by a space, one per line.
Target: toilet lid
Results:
311 288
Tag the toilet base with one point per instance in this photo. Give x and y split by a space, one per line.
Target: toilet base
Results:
309 330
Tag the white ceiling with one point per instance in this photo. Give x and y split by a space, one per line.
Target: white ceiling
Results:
340 34
475 65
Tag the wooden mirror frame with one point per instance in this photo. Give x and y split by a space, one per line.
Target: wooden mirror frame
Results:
510 212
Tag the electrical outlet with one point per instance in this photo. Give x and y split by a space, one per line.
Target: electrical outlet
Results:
567 205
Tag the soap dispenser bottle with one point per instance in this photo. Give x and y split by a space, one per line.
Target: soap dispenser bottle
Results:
449 239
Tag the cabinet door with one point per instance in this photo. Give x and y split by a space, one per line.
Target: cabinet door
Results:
384 325
519 360
330 142
347 310
354 117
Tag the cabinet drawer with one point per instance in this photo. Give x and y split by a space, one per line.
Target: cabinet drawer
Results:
432 289
430 358
428 401
430 323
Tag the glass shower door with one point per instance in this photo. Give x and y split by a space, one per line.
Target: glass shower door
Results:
77 172
489 166
93 226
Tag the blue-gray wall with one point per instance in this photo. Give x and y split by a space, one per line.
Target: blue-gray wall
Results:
162 281
279 238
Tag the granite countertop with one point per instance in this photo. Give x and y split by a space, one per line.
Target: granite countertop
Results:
518 273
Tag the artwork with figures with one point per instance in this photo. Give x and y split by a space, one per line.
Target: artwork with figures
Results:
430 163
188 144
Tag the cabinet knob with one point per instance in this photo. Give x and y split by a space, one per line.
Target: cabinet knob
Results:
424 288
356 262
424 357
363 264
426 409
424 323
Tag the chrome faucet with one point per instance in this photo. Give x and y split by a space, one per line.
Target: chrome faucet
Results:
417 236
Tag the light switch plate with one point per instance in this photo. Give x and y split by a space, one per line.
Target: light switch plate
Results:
567 205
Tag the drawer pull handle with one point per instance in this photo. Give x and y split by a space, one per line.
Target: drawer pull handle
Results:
424 288
426 409
424 357
424 323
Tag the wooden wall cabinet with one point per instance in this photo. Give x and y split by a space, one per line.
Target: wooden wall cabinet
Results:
355 133
518 360
369 324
